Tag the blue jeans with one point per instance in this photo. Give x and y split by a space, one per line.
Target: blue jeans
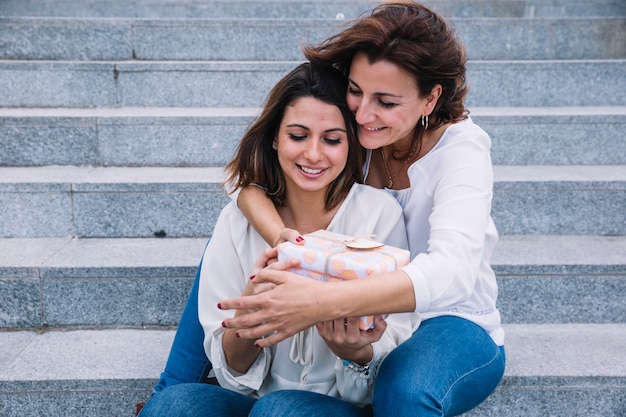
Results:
449 366
187 361
196 400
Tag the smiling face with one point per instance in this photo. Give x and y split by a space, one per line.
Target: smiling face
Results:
312 145
386 102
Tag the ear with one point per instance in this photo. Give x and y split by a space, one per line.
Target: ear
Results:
431 99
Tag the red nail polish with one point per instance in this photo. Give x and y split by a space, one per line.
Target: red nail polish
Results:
299 239
256 345
223 324
252 277
237 334
219 306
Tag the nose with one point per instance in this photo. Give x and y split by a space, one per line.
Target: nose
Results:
313 150
364 113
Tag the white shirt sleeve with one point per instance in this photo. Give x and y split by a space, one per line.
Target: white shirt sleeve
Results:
223 275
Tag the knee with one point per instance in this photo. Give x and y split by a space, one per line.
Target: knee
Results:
273 404
175 401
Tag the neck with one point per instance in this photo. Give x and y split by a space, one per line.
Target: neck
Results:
306 211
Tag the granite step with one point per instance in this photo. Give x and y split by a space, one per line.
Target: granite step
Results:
574 370
58 201
208 136
52 282
246 84
237 39
301 9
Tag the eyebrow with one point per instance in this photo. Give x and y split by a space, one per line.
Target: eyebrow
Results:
334 129
381 94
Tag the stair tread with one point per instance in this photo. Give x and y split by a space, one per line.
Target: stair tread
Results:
537 251
68 174
569 351
205 112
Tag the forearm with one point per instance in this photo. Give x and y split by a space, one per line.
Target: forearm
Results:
261 213
377 294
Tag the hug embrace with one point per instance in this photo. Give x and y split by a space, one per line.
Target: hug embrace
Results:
369 137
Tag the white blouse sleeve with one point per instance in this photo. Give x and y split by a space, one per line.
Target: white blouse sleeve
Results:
222 276
462 192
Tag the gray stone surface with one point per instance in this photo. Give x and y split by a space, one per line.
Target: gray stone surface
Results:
279 39
185 202
49 84
551 370
244 84
555 136
546 83
208 136
60 39
542 279
289 8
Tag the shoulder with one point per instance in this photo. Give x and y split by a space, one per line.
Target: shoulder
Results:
467 132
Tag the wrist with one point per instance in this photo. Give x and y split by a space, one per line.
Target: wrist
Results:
362 357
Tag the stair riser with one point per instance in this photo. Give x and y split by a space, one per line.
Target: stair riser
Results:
276 40
73 398
509 400
61 298
147 211
517 140
293 9
534 398
581 83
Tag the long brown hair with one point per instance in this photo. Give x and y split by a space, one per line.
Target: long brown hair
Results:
414 38
255 160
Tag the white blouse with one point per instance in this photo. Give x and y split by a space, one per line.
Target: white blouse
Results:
451 234
303 361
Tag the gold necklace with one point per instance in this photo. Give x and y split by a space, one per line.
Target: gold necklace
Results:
405 162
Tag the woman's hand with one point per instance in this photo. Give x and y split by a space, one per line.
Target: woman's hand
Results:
293 304
289 235
348 341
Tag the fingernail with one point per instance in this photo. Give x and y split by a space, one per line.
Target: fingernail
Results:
223 324
252 277
237 334
299 239
219 305
256 345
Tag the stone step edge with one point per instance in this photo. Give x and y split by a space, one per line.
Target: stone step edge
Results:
97 175
206 112
514 254
592 355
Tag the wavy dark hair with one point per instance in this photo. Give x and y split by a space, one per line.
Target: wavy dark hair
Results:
414 38
256 162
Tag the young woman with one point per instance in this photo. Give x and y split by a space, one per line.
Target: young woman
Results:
406 70
303 148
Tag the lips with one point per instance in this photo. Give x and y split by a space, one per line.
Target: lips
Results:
372 129
311 171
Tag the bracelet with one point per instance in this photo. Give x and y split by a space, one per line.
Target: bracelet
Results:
363 369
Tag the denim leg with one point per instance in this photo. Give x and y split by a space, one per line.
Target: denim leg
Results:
187 361
449 366
294 403
197 400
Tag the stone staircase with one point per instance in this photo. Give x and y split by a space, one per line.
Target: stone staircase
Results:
117 116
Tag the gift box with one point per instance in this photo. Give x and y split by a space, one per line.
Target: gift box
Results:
328 256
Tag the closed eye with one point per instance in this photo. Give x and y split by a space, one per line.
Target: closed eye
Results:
295 137
332 141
